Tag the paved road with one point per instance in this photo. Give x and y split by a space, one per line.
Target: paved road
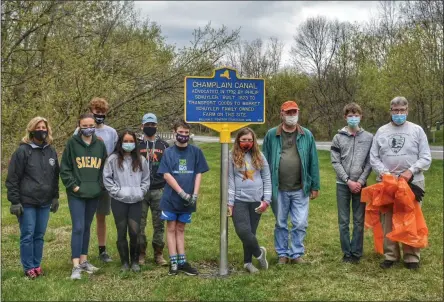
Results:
437 151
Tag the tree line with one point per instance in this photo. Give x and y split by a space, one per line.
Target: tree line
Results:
57 55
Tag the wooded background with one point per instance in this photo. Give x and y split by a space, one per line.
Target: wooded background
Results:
57 55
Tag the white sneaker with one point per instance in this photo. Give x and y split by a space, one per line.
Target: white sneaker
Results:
76 273
88 267
263 258
249 267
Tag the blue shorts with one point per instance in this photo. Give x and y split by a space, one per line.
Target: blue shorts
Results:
170 216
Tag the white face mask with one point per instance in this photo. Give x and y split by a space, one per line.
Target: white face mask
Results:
291 120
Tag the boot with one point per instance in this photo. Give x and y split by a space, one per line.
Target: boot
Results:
158 256
122 247
142 254
134 255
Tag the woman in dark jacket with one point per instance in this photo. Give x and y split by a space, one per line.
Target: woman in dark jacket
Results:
33 190
81 172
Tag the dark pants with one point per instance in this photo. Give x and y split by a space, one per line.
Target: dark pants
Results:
355 246
33 223
127 217
152 201
82 213
246 221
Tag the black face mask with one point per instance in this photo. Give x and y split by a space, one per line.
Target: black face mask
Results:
39 135
149 131
99 118
182 138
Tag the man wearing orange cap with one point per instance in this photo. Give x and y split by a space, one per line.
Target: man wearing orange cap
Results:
291 154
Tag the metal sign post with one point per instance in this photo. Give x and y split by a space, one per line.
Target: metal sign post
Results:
225 103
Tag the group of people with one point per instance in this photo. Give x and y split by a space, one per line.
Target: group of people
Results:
104 171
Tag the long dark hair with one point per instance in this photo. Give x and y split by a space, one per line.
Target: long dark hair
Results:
135 154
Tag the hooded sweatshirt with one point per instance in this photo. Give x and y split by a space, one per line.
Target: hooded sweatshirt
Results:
123 184
350 155
33 175
82 165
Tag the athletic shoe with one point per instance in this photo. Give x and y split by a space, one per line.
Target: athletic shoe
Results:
125 267
105 257
347 259
386 264
38 271
31 274
263 258
282 260
88 267
135 267
249 267
187 269
173 269
76 273
412 265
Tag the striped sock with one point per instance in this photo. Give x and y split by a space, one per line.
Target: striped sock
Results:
173 259
182 258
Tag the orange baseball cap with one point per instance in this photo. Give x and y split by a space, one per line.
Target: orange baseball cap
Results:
289 105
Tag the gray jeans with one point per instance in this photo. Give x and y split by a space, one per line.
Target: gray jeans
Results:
354 246
246 221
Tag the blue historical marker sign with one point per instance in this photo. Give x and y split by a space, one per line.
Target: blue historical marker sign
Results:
224 98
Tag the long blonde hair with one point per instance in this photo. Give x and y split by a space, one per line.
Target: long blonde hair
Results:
238 154
31 127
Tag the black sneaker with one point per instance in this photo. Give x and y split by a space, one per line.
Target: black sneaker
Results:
187 269
387 264
173 269
355 260
412 265
105 257
346 259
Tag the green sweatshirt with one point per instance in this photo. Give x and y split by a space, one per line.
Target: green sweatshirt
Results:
82 165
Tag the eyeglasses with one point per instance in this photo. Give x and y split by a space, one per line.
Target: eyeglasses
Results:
398 111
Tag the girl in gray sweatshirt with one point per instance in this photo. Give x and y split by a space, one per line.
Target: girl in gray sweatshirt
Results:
126 177
249 194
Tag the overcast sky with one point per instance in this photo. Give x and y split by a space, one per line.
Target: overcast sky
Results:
257 19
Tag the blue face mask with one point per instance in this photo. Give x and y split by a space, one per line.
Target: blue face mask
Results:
399 119
353 121
128 147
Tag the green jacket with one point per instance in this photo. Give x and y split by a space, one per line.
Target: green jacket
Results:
82 165
306 148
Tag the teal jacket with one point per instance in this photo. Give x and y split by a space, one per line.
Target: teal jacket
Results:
306 148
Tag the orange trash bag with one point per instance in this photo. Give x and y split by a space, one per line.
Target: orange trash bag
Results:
408 224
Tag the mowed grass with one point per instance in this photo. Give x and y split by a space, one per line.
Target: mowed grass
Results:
326 278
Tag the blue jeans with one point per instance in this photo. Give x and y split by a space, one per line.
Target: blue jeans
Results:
33 223
296 204
82 213
343 196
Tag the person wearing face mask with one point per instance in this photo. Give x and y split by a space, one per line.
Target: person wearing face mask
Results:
126 177
291 153
152 148
33 189
249 194
400 148
350 157
81 173
99 108
182 166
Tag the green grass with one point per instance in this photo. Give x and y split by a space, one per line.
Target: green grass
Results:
327 278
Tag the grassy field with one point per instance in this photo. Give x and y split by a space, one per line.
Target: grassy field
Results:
326 278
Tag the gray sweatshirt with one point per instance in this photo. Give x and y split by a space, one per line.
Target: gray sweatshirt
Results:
247 183
124 184
398 148
350 155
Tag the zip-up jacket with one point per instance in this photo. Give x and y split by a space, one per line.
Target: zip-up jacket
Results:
124 184
82 166
306 147
154 155
33 175
350 155
247 183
